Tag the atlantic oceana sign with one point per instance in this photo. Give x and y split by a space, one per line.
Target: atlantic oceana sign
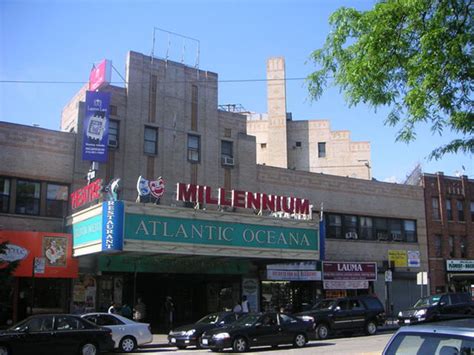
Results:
204 232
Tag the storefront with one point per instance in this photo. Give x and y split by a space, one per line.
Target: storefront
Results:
205 260
42 280
460 274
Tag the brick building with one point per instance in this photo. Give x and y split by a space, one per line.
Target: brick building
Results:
449 204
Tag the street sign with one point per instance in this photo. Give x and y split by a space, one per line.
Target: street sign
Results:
388 276
422 278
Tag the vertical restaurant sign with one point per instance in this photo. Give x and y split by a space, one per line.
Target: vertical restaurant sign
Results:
45 254
101 75
96 126
112 226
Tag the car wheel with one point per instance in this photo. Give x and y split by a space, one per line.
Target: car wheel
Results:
322 331
4 350
198 343
239 345
88 349
371 327
127 344
300 340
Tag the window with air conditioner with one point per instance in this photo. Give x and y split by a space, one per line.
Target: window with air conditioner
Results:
113 134
227 153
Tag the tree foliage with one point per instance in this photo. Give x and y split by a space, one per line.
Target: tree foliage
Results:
414 56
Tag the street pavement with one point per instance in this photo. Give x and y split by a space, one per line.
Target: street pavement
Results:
357 345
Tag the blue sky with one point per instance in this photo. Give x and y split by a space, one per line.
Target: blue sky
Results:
46 40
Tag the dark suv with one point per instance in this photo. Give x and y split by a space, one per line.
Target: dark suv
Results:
349 314
436 307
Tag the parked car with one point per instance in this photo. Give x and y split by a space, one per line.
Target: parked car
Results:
189 335
258 329
445 337
55 333
349 314
437 307
126 333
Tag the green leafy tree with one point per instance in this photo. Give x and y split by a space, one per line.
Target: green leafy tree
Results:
414 56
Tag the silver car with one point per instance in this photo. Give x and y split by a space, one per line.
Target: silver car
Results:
126 333
453 337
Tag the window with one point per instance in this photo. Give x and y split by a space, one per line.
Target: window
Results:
334 226
227 149
263 145
451 246
194 148
449 211
227 132
435 208
350 227
381 230
463 247
151 140
396 230
321 150
460 208
410 230
438 248
4 194
113 133
56 200
366 229
28 197
298 144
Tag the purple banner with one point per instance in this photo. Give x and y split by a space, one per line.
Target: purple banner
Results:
96 127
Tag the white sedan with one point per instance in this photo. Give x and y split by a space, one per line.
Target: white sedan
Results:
126 333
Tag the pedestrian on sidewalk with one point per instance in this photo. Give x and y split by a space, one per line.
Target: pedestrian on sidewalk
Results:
245 304
139 311
169 312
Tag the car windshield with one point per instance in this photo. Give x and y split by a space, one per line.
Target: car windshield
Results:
432 343
247 321
427 301
209 319
324 304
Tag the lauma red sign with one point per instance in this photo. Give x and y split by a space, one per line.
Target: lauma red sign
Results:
349 271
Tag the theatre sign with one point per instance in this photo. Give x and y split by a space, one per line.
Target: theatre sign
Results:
158 229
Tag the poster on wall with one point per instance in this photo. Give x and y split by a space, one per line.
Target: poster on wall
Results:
413 258
250 288
96 127
84 294
398 257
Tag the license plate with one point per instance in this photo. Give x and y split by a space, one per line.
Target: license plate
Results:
204 341
173 340
407 321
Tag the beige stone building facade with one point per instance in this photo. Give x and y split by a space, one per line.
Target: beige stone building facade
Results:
307 145
166 122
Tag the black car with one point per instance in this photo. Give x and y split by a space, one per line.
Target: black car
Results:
436 307
189 335
348 314
258 329
55 333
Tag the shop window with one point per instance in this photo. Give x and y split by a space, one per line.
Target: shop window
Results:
381 229
56 200
449 210
151 141
463 247
321 150
366 228
4 194
27 197
460 208
451 246
438 246
334 226
435 208
194 148
409 227
350 227
113 134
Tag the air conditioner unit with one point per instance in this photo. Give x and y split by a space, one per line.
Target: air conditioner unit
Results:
227 161
113 143
396 237
382 236
351 235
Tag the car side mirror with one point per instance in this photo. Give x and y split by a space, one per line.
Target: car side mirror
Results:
337 309
442 304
